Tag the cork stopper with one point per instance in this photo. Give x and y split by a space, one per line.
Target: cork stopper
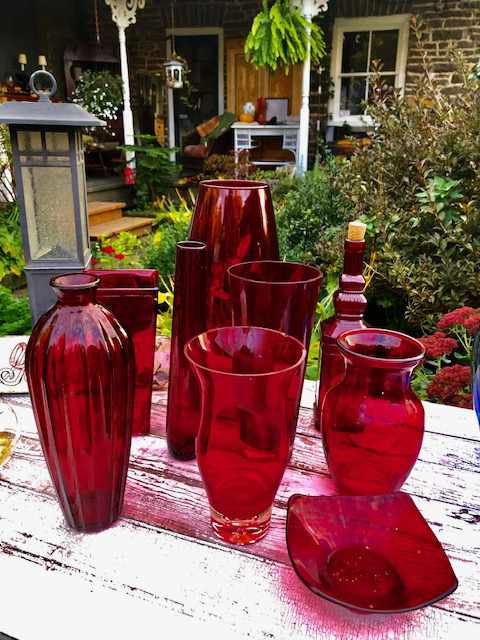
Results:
356 231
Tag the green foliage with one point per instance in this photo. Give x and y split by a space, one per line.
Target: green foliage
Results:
155 174
311 217
281 36
123 252
172 225
7 190
100 93
165 303
11 251
418 188
15 318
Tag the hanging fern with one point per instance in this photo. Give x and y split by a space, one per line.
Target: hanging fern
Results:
280 36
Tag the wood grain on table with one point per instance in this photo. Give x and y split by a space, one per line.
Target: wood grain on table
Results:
161 572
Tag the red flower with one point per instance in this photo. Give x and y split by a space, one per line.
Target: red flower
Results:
119 256
451 385
108 249
458 316
94 261
472 324
438 344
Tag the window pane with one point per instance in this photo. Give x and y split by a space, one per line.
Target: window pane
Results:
29 141
352 97
57 141
384 48
355 51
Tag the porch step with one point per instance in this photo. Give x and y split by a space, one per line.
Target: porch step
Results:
108 189
137 226
104 211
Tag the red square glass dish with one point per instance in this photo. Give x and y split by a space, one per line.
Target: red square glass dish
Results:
132 295
373 554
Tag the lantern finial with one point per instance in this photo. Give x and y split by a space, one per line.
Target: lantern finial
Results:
44 94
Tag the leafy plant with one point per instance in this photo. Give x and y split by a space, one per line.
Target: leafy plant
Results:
123 252
7 190
15 317
165 303
440 198
281 36
100 93
155 173
11 251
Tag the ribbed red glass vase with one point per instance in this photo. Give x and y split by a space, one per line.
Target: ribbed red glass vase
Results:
372 421
79 366
189 318
235 219
132 295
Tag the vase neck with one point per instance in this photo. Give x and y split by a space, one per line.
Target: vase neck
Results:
75 289
378 380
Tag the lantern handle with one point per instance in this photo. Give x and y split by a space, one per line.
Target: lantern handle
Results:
43 94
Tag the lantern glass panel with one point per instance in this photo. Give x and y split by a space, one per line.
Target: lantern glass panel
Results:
50 213
29 141
57 141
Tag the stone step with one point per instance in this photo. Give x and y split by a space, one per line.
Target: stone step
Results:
104 211
136 225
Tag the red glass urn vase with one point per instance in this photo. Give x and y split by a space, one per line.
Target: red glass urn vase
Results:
189 317
132 295
372 422
235 219
79 366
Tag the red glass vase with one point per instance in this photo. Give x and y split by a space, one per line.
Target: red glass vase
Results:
189 318
132 295
350 304
235 219
277 295
79 366
246 375
372 422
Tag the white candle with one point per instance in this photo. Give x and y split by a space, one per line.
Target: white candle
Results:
42 61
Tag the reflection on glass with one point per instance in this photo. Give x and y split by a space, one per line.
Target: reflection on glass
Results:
352 96
355 51
384 48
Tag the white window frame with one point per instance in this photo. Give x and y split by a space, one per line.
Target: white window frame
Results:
195 31
371 23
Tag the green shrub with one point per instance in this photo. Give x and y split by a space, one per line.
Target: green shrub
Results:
11 250
418 188
15 318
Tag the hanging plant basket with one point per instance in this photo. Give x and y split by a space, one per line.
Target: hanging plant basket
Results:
281 36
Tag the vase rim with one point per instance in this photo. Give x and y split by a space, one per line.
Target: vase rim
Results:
410 359
265 330
75 281
192 244
316 273
234 184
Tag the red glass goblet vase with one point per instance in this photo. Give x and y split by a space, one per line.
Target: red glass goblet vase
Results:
235 219
189 317
243 443
80 372
372 422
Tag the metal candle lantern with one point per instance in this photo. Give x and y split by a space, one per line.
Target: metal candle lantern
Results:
51 189
174 72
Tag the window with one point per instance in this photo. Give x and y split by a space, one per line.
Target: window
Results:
356 42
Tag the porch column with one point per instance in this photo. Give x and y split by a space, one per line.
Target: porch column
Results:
124 13
310 8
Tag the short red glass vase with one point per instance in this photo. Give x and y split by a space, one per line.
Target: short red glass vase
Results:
372 422
277 295
80 371
235 219
371 554
246 375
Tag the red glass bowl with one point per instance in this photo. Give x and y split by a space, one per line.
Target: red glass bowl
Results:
372 554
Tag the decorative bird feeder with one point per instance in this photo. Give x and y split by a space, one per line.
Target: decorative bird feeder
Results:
49 168
174 72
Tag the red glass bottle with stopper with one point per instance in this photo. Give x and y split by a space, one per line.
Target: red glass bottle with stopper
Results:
350 304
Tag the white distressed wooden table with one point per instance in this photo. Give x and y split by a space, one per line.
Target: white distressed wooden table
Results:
160 572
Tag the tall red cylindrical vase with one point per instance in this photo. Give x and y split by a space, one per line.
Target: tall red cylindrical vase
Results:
189 318
79 366
235 219
372 421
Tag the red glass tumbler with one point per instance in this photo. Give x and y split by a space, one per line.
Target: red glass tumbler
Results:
189 317
372 422
245 374
79 366
276 295
235 219
131 295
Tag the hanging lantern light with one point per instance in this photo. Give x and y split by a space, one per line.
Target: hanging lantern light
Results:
174 72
